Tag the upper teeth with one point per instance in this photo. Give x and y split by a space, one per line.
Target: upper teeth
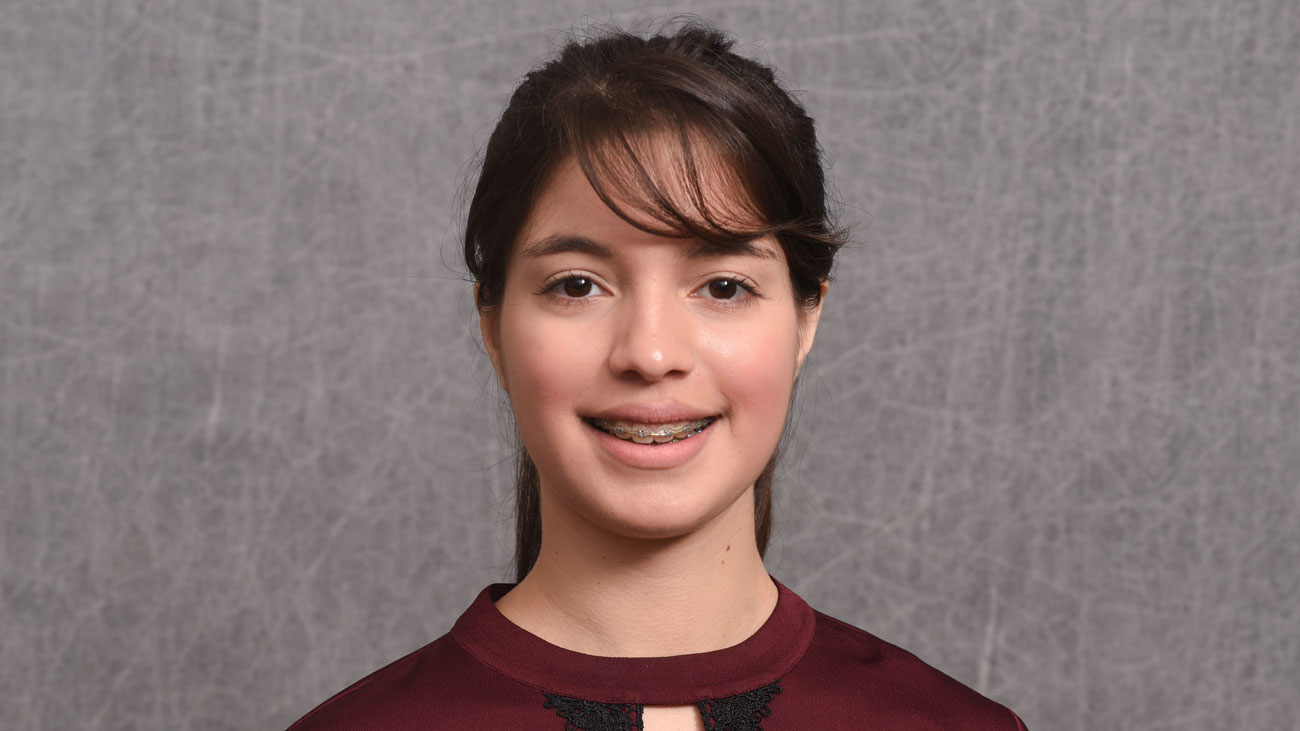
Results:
652 433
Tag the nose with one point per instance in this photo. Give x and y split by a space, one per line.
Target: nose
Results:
651 340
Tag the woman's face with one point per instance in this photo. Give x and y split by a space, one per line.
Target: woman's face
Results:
649 376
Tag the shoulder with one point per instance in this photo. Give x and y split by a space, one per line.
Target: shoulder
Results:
894 686
386 698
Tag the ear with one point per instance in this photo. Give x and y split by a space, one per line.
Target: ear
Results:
808 320
489 324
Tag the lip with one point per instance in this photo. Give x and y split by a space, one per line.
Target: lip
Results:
657 412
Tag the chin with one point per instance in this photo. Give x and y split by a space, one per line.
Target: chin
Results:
667 519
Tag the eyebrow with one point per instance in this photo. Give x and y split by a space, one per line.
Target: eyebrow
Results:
739 247
570 243
566 243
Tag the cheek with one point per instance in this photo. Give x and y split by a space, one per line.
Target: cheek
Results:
541 363
757 371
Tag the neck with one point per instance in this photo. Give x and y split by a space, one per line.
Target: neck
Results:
595 592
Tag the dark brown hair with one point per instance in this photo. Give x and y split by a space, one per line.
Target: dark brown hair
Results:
644 116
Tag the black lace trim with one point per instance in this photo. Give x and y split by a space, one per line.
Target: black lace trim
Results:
743 712
580 715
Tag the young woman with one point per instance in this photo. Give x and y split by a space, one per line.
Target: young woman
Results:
651 247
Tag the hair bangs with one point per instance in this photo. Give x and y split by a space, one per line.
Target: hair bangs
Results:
668 167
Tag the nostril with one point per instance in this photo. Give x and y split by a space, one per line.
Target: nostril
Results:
650 343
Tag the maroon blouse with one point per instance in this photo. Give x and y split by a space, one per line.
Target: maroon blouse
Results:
801 670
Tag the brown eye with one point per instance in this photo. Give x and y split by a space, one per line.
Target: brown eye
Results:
576 287
724 289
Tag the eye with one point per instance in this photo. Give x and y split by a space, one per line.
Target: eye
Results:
576 286
724 289
728 289
573 286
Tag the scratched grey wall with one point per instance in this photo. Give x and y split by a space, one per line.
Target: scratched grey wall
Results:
1049 440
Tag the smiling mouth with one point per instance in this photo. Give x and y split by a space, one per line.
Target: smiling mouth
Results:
652 433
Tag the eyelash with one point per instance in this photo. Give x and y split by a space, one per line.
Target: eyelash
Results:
745 288
553 287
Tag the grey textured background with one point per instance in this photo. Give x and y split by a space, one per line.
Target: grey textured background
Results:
1048 439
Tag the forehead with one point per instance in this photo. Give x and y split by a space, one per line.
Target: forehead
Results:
704 210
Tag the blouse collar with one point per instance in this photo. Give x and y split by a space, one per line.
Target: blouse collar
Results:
679 679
